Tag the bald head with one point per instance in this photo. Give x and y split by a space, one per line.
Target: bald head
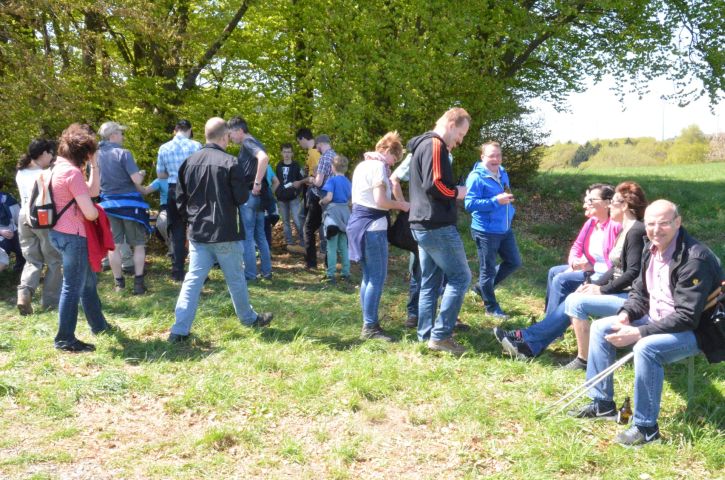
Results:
215 131
662 222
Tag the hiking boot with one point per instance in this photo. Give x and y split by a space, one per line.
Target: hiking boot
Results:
120 284
411 322
138 285
576 364
374 332
176 338
75 346
636 436
448 345
598 410
263 320
25 305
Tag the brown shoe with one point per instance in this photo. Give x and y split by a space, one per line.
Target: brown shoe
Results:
25 302
448 345
411 322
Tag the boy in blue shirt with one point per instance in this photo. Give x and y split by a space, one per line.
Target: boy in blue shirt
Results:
335 202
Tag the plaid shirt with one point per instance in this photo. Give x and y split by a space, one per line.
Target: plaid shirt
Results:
173 153
324 167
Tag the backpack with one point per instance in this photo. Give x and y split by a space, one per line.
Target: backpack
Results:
41 207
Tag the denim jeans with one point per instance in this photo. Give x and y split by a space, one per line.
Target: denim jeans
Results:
583 306
541 334
414 285
253 219
560 283
338 243
650 354
201 259
374 270
490 274
290 212
79 283
441 254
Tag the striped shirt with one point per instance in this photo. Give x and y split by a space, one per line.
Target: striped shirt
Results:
173 153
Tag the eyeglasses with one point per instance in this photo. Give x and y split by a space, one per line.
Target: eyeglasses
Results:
662 224
590 201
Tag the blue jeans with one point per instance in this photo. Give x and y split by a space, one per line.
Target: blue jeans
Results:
583 306
79 283
651 353
290 212
338 243
201 259
253 219
414 285
561 283
490 274
441 254
374 271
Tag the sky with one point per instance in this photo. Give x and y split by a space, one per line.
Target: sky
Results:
598 113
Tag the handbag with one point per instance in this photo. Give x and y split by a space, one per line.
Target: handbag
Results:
399 234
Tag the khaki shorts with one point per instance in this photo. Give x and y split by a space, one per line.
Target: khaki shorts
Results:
127 231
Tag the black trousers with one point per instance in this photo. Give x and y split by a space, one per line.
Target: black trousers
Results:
177 233
313 221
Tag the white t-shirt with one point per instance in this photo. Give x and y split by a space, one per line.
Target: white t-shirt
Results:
368 175
25 179
596 250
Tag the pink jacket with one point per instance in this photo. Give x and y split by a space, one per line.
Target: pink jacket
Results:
581 244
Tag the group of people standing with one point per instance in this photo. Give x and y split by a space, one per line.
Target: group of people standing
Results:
631 263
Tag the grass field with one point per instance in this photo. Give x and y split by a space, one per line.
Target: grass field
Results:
306 399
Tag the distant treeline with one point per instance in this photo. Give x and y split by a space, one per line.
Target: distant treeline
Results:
691 146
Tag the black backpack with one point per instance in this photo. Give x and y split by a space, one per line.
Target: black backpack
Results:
41 208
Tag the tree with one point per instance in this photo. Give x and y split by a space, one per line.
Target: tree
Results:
351 69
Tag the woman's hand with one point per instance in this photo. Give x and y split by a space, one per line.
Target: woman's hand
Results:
403 206
589 289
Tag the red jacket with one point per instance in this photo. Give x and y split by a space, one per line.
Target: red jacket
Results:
100 239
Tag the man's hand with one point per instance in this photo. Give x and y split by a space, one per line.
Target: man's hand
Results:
256 189
623 335
461 193
504 198
9 234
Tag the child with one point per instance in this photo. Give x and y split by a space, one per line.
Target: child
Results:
338 191
162 186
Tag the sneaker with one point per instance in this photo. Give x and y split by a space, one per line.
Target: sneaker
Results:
512 335
576 364
411 322
601 410
374 333
497 313
75 346
636 436
448 345
25 305
120 284
263 320
176 338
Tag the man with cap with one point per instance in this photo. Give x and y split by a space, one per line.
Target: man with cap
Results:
121 181
171 155
314 194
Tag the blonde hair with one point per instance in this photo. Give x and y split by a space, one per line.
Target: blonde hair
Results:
457 115
491 143
340 163
392 143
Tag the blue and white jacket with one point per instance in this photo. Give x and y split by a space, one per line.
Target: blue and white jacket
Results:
489 216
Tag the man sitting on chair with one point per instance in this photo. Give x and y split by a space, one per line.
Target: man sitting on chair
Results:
661 317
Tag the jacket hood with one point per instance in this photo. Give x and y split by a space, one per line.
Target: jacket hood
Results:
415 141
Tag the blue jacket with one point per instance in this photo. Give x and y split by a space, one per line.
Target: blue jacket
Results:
489 216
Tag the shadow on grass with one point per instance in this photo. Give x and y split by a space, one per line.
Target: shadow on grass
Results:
706 406
136 351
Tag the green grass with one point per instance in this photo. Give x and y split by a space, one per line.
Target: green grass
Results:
307 399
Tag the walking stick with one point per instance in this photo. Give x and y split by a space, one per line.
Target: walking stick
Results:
580 390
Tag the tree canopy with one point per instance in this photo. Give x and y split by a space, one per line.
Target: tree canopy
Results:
351 69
